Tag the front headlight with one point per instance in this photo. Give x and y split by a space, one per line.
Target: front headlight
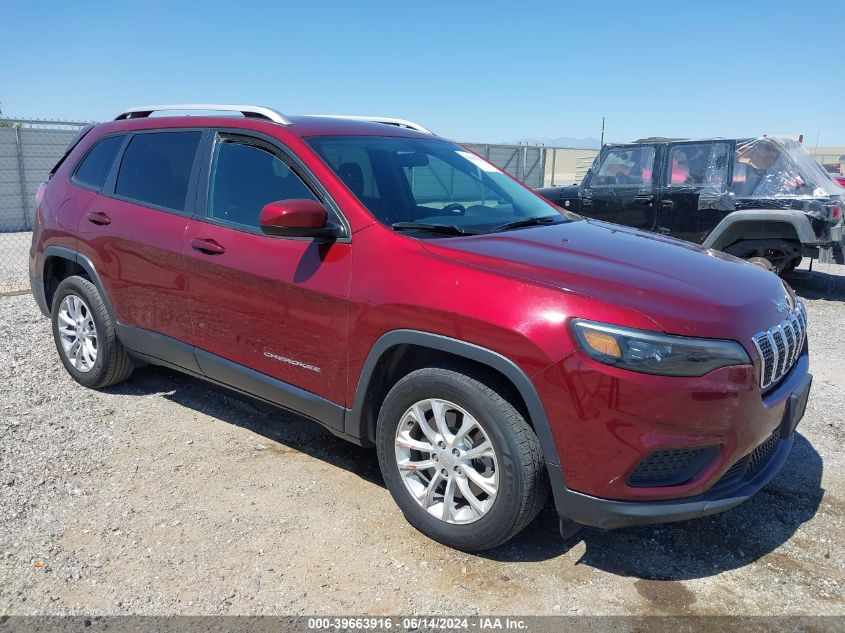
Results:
655 353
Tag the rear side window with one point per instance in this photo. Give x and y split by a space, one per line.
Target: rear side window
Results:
94 168
70 147
156 168
698 165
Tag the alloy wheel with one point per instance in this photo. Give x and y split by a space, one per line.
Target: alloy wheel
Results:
78 333
447 461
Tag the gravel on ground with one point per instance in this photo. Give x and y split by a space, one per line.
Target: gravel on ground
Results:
165 495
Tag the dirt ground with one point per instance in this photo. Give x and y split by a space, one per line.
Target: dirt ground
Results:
164 496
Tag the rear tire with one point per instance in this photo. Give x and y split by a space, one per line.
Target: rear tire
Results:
85 336
492 497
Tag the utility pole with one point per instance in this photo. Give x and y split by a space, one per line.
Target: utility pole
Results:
602 131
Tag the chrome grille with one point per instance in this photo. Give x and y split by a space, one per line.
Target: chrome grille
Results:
780 342
780 346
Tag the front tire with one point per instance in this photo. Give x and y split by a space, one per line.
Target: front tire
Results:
85 336
459 459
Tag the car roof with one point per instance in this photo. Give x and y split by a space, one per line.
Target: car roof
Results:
655 140
299 125
666 140
320 125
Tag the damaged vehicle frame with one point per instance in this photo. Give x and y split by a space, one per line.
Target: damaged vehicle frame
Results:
765 199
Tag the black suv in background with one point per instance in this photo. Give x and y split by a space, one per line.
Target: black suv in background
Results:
765 199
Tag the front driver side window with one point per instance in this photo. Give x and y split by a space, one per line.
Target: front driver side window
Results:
625 166
244 178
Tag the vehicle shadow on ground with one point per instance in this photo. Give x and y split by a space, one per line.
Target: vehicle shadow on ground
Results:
817 284
689 549
675 551
273 423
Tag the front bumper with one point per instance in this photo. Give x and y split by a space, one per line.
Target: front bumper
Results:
726 493
608 513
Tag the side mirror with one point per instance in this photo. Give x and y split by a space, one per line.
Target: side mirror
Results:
296 218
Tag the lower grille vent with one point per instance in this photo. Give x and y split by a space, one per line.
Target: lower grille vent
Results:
672 467
749 465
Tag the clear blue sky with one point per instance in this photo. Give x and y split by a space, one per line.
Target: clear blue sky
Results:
474 71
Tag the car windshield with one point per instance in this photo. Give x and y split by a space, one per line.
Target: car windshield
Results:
432 187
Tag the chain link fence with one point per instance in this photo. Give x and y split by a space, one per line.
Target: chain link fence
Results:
833 162
567 166
538 166
28 150
526 163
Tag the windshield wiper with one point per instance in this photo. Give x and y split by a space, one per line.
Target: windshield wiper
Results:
446 229
516 224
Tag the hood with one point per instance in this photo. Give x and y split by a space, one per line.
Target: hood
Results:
684 288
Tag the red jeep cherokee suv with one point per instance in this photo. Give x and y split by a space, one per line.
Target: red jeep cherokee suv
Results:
405 293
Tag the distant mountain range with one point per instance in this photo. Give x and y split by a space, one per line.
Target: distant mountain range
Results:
562 141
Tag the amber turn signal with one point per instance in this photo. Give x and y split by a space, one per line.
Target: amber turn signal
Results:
603 343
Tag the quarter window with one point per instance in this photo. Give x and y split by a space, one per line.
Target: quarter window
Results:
698 165
245 178
94 168
156 168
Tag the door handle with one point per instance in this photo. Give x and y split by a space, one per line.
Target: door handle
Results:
663 230
98 217
666 204
209 247
644 199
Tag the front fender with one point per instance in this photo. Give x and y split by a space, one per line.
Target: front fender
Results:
355 420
